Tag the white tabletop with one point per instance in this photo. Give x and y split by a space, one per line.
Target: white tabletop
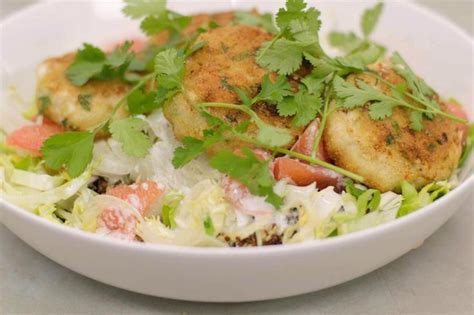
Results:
436 278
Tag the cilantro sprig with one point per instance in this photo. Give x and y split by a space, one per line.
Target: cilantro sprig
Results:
91 62
264 21
155 17
381 105
73 150
361 49
250 171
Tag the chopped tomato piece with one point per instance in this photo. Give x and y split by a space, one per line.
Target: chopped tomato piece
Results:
457 110
244 202
117 223
302 174
140 195
31 137
305 142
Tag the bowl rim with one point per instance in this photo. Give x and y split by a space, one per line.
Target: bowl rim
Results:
461 190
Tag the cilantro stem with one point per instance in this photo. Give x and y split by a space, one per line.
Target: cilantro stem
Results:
119 104
297 155
418 100
301 156
242 108
324 116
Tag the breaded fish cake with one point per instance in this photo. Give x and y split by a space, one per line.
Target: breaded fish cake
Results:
226 61
77 107
197 21
386 152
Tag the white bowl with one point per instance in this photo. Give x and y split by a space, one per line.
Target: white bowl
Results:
438 50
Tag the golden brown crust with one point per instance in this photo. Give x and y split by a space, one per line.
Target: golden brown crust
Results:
387 152
197 21
64 107
226 61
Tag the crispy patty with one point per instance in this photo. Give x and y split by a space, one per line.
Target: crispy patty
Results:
197 21
77 107
387 152
226 61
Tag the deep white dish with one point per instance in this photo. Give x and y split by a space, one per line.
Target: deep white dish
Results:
439 51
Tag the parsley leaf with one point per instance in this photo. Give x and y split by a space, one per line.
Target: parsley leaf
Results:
73 150
370 19
129 132
250 171
91 62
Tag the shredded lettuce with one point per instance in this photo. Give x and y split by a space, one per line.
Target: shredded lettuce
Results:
413 200
31 200
48 212
389 204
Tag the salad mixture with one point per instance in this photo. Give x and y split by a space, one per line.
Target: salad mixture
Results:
232 129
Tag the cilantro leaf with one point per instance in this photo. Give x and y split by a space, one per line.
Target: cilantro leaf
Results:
272 136
250 171
416 121
293 11
381 110
73 150
283 56
273 92
370 19
304 106
357 96
166 21
88 62
140 8
193 147
129 132
298 38
264 21
416 85
91 62
156 17
243 96
170 68
347 42
140 102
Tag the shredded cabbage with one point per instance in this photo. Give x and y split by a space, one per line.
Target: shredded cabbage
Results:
32 199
